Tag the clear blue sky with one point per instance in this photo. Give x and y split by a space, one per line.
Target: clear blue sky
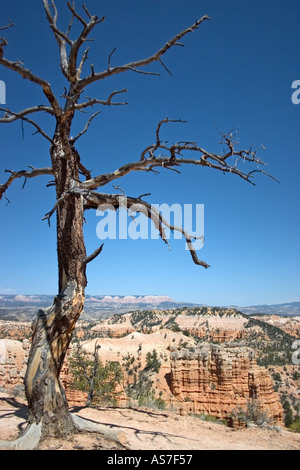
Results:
235 71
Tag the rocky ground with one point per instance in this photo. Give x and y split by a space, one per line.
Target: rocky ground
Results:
151 430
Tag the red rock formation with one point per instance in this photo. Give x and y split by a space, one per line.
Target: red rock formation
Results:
214 380
291 325
13 359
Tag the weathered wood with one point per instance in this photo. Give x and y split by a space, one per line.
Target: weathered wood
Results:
52 333
90 426
53 328
27 441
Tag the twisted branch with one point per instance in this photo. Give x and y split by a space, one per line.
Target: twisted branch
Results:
94 255
23 174
227 162
28 75
60 37
94 200
7 27
108 102
10 116
84 130
133 66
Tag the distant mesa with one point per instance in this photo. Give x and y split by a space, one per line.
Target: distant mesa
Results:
24 298
22 307
131 299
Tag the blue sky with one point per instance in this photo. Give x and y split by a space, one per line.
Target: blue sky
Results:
236 71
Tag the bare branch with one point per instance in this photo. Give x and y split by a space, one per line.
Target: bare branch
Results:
49 214
71 21
7 27
60 37
165 67
82 62
140 63
107 102
10 116
94 255
222 162
21 115
73 77
94 200
73 11
28 75
82 169
110 55
118 188
23 174
86 10
143 72
84 130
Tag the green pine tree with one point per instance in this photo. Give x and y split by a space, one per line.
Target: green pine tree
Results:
92 376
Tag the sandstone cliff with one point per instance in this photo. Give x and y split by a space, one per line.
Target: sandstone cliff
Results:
214 380
13 360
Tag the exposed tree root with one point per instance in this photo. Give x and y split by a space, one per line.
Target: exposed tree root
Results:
28 440
31 437
89 426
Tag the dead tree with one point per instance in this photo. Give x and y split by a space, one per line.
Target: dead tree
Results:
77 191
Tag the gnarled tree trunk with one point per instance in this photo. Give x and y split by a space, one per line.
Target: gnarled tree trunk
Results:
52 333
53 328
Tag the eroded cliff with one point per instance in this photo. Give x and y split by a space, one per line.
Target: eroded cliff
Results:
215 380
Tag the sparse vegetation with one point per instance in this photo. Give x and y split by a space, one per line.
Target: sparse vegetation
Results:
272 344
276 376
98 380
295 425
210 418
140 381
140 370
288 412
253 413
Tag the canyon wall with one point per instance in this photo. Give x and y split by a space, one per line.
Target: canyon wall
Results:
13 362
215 380
212 380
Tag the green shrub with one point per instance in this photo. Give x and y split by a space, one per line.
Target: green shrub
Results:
210 418
92 376
253 413
295 425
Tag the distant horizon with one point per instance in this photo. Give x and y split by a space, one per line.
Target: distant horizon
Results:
14 294
251 232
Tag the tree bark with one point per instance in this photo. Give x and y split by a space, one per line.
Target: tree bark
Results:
52 333
53 328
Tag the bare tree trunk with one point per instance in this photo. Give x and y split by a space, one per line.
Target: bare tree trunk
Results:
52 333
53 328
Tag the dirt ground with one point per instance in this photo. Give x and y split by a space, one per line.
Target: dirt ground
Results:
150 430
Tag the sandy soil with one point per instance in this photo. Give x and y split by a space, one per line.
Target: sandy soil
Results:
150 430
